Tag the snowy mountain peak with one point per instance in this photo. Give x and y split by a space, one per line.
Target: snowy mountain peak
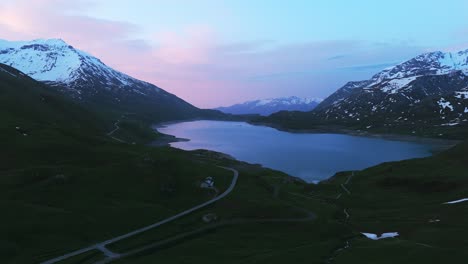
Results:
428 90
272 105
54 60
292 100
5 44
432 63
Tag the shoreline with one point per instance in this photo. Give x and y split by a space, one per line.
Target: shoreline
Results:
167 123
437 144
165 140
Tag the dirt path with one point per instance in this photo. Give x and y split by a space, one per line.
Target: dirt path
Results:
117 127
347 243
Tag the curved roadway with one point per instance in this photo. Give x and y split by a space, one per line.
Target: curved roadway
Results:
102 246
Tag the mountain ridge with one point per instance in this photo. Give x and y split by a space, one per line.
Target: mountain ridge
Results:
89 81
426 95
272 105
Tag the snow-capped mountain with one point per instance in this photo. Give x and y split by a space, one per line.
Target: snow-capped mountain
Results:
394 79
269 106
89 81
428 89
426 95
54 60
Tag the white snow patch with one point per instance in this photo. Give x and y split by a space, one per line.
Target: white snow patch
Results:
444 104
461 95
457 201
451 124
384 235
264 102
453 61
393 86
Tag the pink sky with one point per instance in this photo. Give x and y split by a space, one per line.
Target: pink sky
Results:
196 63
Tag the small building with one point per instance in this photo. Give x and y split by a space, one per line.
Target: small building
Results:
208 182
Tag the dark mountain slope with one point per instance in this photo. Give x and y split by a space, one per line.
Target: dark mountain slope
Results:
90 82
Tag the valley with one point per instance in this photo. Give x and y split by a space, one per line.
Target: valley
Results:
78 168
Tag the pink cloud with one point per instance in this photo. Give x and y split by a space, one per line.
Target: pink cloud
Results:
196 64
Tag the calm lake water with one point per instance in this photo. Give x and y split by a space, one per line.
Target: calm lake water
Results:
312 157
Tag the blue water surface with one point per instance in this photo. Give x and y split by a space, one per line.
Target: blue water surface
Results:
312 157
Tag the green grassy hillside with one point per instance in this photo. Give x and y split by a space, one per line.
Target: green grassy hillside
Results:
65 184
406 197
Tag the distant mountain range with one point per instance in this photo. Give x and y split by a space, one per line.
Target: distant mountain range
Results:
87 80
270 106
427 95
428 92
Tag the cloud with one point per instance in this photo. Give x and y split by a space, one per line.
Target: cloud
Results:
195 63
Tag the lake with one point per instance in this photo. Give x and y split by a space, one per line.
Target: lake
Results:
312 157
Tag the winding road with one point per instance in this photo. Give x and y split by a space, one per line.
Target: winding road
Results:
117 127
309 217
112 255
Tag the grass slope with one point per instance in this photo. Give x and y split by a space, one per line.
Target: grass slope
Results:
67 185
407 197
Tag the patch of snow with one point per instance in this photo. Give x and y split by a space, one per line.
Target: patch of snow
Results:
263 102
393 86
451 124
444 104
461 95
453 61
384 235
457 201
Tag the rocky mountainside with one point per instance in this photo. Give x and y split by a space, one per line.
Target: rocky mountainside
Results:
91 82
270 106
429 91
394 79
